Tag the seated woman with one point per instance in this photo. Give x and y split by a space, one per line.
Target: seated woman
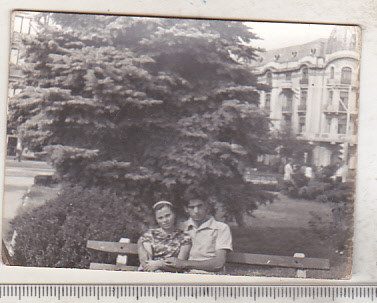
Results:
167 241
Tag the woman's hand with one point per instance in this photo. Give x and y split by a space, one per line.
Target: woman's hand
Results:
153 265
175 263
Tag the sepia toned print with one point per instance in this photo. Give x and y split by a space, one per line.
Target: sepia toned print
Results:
181 145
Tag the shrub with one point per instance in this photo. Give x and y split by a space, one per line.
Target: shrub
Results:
340 192
339 229
55 234
322 191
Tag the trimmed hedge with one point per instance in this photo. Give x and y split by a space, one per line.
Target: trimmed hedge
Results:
55 234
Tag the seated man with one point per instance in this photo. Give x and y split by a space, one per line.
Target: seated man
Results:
211 240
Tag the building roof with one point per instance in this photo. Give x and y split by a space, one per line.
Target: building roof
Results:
341 38
293 53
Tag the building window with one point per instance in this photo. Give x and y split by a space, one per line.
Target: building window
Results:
11 92
354 128
25 26
14 55
288 76
353 42
302 124
327 125
342 125
22 25
331 96
346 75
303 98
343 102
287 120
304 76
17 24
287 101
332 72
290 98
267 103
269 78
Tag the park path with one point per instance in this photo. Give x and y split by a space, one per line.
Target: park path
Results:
19 177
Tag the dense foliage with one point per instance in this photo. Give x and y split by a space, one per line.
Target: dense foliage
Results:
55 234
322 188
289 146
323 192
145 107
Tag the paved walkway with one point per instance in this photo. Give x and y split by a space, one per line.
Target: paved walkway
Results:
19 177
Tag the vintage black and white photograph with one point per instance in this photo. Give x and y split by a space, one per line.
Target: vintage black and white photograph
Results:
179 145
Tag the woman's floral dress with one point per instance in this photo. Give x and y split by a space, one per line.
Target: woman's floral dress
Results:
165 245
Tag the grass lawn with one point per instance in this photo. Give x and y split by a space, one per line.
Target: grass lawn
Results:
290 226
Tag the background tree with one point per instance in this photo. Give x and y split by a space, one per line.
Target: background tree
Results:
145 107
289 146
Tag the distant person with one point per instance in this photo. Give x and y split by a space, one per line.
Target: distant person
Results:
298 176
211 240
327 173
340 175
158 244
308 173
288 171
19 150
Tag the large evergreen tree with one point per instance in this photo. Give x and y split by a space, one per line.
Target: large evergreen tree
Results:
147 107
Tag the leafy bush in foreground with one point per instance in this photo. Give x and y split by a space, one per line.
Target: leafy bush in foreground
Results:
55 234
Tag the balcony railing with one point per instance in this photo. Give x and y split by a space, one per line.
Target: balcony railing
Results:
337 82
301 107
15 72
341 109
332 82
287 109
286 84
16 38
345 81
333 109
329 137
327 107
338 111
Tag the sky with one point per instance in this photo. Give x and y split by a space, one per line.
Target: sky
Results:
277 35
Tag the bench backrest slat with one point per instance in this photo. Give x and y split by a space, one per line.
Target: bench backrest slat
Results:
281 261
113 247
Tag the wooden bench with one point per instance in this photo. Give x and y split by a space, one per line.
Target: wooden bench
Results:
298 261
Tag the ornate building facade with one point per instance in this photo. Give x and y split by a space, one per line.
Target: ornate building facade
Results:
314 94
22 24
